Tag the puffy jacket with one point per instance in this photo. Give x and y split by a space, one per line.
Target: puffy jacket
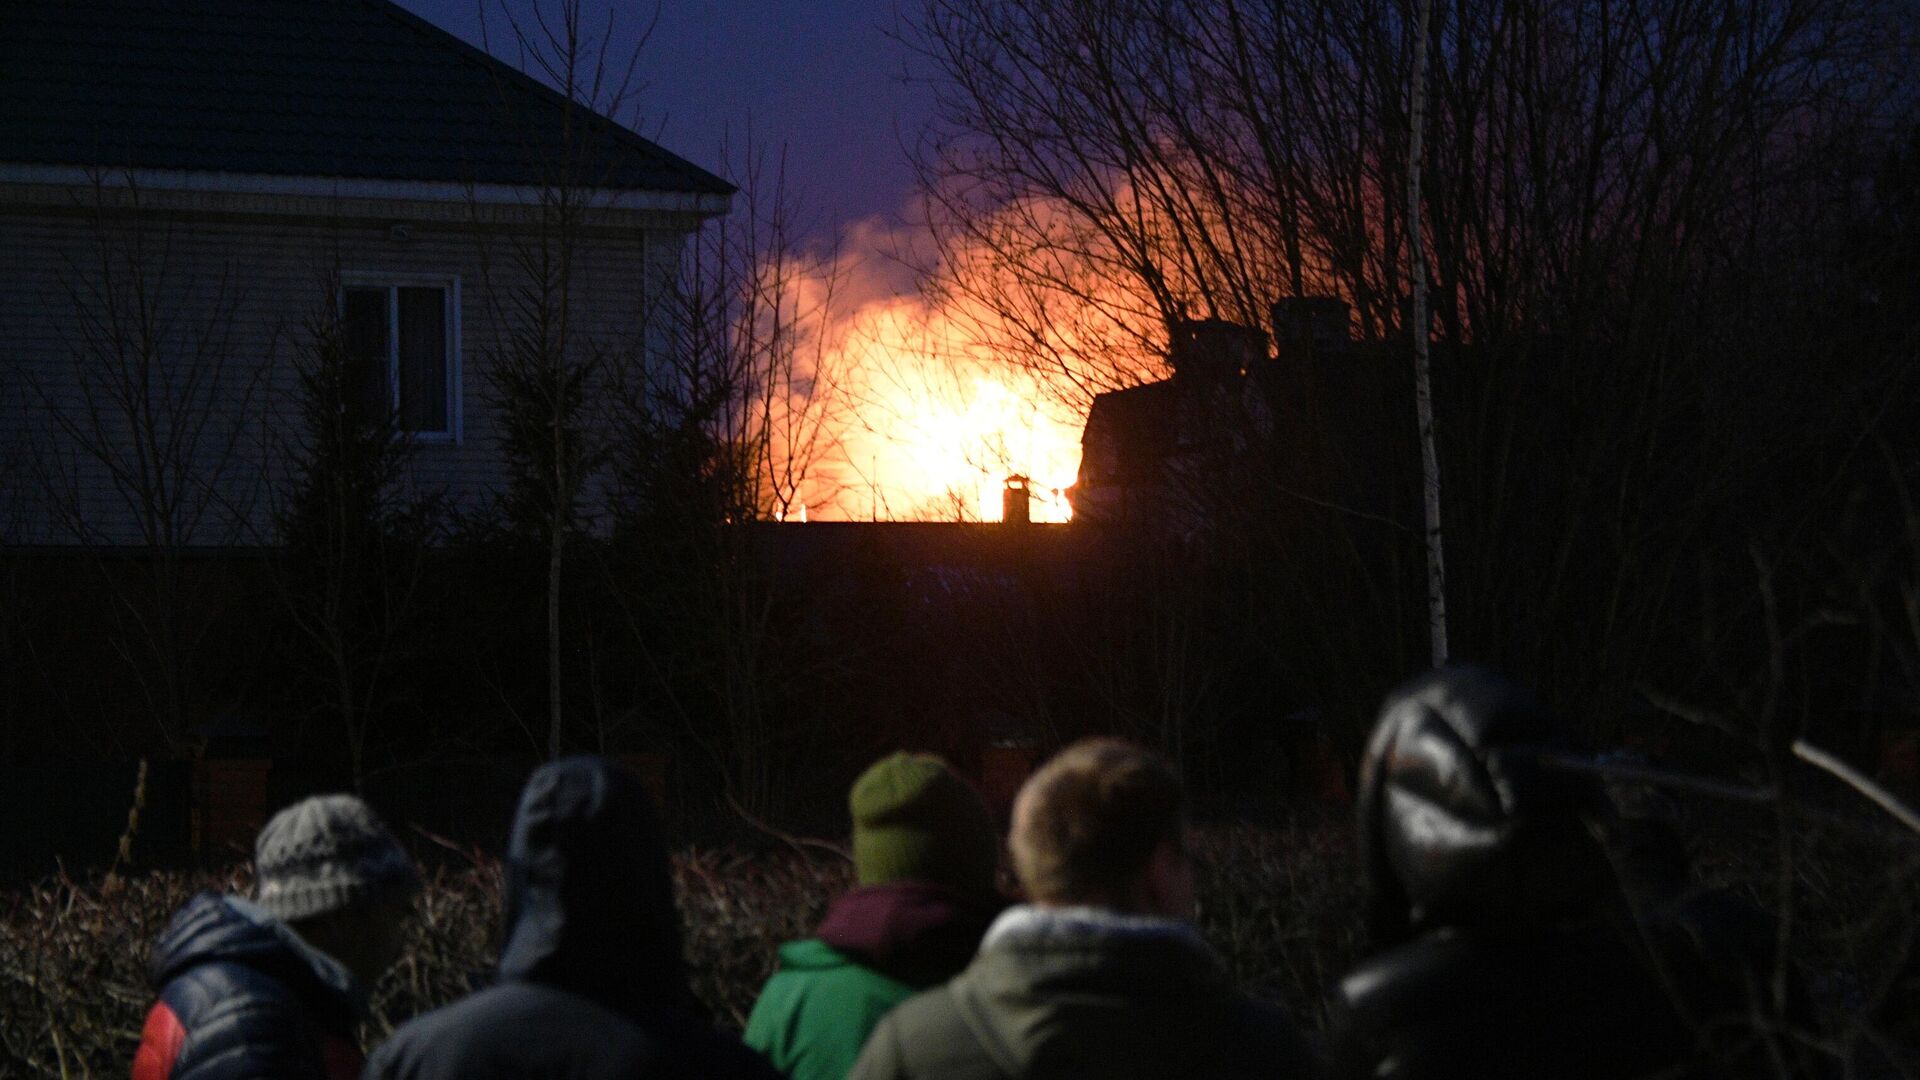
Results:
1085 993
1506 955
242 996
591 978
877 946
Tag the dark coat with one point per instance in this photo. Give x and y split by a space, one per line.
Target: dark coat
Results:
1452 1006
1508 950
242 996
591 978
1085 994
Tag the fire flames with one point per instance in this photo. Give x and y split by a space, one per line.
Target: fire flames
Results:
928 438
924 420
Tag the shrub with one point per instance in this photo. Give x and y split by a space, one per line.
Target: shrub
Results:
73 954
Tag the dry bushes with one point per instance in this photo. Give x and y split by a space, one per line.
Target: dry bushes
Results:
736 910
1282 905
73 985
73 955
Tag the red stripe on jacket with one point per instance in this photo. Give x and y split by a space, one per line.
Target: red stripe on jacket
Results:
163 1036
160 1042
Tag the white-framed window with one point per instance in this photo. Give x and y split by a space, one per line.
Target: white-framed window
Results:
406 333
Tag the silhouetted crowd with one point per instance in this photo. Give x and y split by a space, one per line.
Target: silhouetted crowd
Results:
1523 926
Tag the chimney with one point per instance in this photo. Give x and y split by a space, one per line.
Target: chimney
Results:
1316 323
1214 349
1015 501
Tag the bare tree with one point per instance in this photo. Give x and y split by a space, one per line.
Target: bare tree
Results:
147 439
551 359
1616 202
725 422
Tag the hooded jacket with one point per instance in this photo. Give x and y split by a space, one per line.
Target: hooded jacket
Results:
592 983
1505 956
877 946
242 996
1083 993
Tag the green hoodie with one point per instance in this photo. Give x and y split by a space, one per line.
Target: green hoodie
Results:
817 1009
877 945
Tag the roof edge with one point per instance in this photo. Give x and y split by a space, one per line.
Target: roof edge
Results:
447 39
704 204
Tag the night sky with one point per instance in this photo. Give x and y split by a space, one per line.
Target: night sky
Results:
821 77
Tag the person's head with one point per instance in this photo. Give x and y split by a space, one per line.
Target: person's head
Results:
329 869
1103 824
1467 816
590 889
914 819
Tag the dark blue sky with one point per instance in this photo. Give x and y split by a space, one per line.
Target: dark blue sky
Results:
821 77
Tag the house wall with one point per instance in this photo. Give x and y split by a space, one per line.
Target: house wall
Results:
227 287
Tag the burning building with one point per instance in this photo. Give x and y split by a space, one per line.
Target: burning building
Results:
1237 425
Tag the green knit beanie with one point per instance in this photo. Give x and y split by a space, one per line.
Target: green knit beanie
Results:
914 819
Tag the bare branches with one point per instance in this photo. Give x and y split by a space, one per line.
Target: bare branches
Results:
722 422
550 372
146 440
1859 782
160 389
1221 154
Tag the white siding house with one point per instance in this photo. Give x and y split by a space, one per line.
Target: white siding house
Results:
186 186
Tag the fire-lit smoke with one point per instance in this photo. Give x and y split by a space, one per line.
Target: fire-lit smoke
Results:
931 396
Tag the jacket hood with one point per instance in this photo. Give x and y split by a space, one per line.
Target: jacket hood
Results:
1463 818
1053 989
212 929
920 933
589 892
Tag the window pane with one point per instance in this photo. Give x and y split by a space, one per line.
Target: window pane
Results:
363 326
423 360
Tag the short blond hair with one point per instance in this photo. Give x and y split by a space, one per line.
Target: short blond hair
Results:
1087 823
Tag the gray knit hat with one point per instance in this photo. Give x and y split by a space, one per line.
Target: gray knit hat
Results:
327 853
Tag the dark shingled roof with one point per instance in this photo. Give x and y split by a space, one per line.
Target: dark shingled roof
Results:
330 88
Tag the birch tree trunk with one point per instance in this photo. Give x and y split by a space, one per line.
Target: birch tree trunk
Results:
556 541
549 375
1417 329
